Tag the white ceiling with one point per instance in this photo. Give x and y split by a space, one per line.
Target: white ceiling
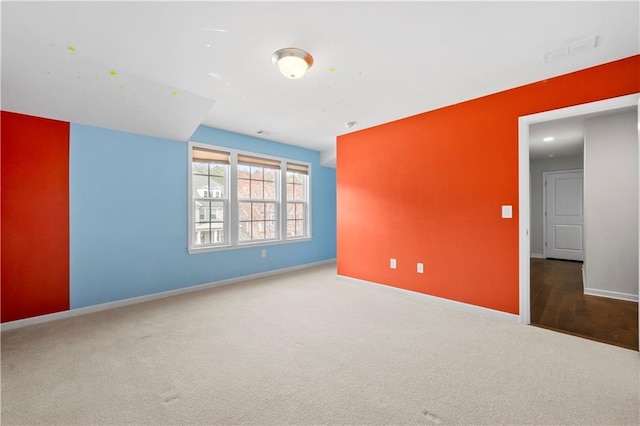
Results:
568 136
163 68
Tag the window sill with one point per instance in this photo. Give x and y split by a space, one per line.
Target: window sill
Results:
196 250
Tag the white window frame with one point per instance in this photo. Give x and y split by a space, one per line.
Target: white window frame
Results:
231 222
306 206
225 205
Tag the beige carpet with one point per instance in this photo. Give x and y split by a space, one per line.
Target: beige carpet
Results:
305 348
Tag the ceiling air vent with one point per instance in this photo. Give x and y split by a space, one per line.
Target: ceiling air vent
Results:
556 55
265 133
583 45
571 49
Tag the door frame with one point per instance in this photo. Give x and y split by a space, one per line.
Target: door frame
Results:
544 206
524 212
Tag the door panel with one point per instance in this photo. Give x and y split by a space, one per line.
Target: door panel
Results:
568 237
564 215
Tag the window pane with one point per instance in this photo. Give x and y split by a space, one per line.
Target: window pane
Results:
217 236
299 228
257 173
270 231
257 230
198 238
298 192
299 211
270 191
270 211
216 186
208 222
245 211
257 211
289 191
244 171
244 188
200 186
245 231
257 189
218 169
217 232
217 211
291 211
200 211
291 228
270 175
201 233
200 168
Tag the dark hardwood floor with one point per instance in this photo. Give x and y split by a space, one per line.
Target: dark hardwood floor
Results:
558 303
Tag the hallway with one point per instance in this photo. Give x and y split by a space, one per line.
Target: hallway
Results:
558 303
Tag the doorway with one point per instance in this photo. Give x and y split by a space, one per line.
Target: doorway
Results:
525 188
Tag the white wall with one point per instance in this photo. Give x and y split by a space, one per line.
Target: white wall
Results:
536 169
611 205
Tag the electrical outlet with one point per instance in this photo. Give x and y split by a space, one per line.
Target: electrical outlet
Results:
264 253
392 264
420 268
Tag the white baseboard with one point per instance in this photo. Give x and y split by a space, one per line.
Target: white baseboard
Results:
140 299
611 294
473 308
537 256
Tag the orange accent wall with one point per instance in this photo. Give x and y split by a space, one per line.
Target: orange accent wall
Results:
429 188
35 216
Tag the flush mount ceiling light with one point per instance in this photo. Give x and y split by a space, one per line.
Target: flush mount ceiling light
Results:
292 62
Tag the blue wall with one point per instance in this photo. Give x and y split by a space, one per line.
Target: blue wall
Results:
129 224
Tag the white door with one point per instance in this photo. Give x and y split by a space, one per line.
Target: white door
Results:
564 215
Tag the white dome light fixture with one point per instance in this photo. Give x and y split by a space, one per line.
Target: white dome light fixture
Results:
292 62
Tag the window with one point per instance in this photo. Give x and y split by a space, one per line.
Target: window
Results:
241 198
297 204
209 180
258 197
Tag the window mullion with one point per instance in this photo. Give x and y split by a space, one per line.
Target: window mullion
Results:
190 209
233 223
282 223
307 203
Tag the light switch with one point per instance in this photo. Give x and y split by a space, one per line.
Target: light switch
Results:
507 212
392 264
